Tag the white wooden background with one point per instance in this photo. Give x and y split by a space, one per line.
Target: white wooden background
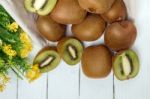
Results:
67 82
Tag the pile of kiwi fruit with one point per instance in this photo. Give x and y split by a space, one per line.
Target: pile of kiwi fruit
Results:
89 19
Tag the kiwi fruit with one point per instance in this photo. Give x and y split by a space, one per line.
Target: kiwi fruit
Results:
96 6
96 61
126 64
41 7
90 29
68 12
120 35
118 12
70 49
47 59
50 29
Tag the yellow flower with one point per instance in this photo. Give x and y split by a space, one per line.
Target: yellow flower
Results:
3 81
13 27
33 73
9 51
27 45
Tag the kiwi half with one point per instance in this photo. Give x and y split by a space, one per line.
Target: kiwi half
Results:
47 59
41 7
126 65
70 49
96 61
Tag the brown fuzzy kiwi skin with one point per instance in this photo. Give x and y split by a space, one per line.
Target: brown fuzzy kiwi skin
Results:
96 6
68 12
118 12
96 61
90 29
50 29
120 35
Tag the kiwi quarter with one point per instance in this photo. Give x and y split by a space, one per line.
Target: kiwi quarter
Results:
70 49
126 64
68 12
118 12
50 29
41 7
90 29
47 59
96 61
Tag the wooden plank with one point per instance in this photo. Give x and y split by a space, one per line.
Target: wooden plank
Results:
34 90
63 82
138 88
96 88
11 88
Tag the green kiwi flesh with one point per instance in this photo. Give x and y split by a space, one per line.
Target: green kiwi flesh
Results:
126 65
70 50
47 59
41 7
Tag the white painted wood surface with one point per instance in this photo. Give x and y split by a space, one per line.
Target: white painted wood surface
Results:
67 82
138 88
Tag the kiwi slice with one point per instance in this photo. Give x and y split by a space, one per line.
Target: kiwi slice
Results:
126 65
47 59
70 49
41 7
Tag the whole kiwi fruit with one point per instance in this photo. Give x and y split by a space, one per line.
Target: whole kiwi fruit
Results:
68 12
126 64
47 59
120 35
96 6
70 49
117 12
96 61
50 29
90 29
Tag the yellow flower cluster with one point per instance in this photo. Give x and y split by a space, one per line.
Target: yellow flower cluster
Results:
3 81
27 45
8 50
33 73
13 27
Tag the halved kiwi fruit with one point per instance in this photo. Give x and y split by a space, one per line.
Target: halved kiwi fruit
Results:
96 61
117 12
50 29
89 29
126 65
41 7
47 59
120 35
96 6
68 12
70 49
